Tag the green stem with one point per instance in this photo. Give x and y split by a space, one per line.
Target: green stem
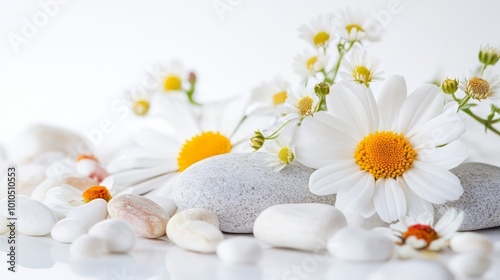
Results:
339 61
484 122
463 102
280 128
483 68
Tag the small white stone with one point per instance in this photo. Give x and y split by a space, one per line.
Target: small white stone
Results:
470 264
471 242
193 214
118 235
67 230
35 218
166 203
87 246
3 224
298 226
197 236
358 244
4 204
240 250
412 270
146 218
90 213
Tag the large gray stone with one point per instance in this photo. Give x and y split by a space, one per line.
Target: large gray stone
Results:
481 199
237 187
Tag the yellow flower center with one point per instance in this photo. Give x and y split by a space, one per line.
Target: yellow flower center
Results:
95 192
86 156
311 61
285 155
279 98
352 26
321 38
478 88
200 147
173 82
424 232
305 106
385 154
141 107
362 74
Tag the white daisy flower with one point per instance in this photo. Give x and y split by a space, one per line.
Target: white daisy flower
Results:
66 197
309 64
357 26
270 95
85 164
300 104
174 78
320 32
182 137
421 233
390 157
361 68
281 153
482 86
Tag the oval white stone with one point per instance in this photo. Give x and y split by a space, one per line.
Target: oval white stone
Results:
87 246
470 264
471 242
298 226
146 218
67 230
193 214
166 203
90 213
412 270
118 235
358 244
240 250
197 236
35 218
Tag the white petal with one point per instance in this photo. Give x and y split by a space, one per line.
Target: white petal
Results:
433 183
365 95
414 204
389 200
448 156
358 197
392 97
136 157
329 179
449 223
422 105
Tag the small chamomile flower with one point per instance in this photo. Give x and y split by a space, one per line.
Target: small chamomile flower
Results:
362 68
271 94
357 26
300 104
320 32
281 154
174 78
482 86
309 64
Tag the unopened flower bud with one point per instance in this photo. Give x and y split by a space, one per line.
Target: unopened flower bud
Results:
489 55
192 78
257 141
449 86
322 89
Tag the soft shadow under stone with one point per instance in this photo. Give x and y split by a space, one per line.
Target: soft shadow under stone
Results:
237 187
481 199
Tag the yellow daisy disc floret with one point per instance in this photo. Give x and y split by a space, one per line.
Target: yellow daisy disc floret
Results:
95 192
321 38
200 147
279 98
385 154
172 82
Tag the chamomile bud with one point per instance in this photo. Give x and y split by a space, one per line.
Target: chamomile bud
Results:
322 89
449 86
257 141
489 55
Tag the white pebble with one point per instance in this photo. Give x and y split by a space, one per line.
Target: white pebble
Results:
166 203
4 204
239 250
470 264
193 214
118 235
304 226
35 218
88 246
67 230
412 270
358 244
471 242
197 236
3 224
90 213
146 218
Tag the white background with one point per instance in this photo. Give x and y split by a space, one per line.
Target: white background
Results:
90 52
